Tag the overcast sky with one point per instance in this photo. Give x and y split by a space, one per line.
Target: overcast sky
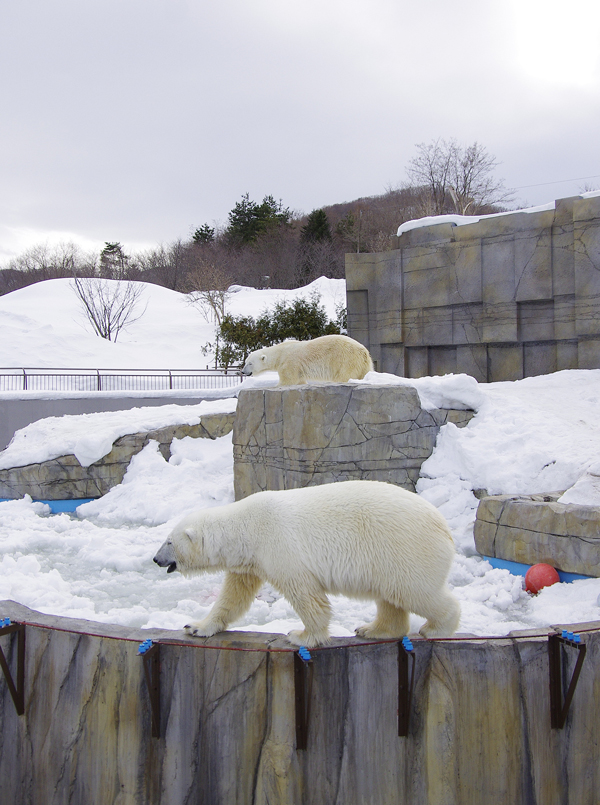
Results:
139 120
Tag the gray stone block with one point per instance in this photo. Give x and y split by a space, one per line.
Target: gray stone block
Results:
536 528
325 433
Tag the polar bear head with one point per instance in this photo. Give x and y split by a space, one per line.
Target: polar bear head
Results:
203 540
186 549
256 362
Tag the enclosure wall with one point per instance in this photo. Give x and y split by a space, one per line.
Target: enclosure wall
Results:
508 297
479 728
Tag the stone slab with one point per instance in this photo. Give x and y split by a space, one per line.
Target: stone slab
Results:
316 434
536 528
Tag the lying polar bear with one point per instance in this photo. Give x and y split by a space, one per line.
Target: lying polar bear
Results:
332 358
363 539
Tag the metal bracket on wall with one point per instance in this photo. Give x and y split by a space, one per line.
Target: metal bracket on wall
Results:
559 708
151 657
303 678
405 684
17 691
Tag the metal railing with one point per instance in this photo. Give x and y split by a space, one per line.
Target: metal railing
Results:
23 379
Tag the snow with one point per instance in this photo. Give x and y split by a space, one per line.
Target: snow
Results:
89 437
541 434
463 220
42 326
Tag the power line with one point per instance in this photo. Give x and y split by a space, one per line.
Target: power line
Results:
559 181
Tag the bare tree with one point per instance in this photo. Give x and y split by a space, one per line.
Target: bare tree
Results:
207 285
109 305
456 178
167 265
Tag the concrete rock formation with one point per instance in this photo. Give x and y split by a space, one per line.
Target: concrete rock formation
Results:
508 297
535 528
316 434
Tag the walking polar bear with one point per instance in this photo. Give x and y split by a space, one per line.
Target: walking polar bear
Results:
333 358
362 539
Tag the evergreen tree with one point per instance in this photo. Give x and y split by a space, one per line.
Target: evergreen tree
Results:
249 220
204 234
301 319
114 263
316 227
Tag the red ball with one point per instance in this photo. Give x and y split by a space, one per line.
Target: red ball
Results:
540 576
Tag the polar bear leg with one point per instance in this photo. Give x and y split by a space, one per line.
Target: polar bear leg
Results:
443 620
314 610
237 593
390 621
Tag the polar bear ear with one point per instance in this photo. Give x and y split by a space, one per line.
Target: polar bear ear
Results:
190 532
263 358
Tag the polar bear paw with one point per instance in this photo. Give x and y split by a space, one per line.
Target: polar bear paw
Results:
304 638
201 629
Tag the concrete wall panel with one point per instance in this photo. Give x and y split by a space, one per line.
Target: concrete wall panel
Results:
493 286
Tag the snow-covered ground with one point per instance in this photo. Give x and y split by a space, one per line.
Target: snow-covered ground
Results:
541 434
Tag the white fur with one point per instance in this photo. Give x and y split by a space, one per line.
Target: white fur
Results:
330 358
362 539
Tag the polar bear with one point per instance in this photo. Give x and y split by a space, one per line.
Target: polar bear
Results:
362 539
332 358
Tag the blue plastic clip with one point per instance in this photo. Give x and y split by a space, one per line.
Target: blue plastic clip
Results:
4 622
565 634
145 646
407 644
576 638
304 654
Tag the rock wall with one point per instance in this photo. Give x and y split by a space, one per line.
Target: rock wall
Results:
535 528
479 728
316 434
64 478
508 297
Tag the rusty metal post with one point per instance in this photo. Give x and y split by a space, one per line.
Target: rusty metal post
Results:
17 690
559 707
303 676
151 657
406 683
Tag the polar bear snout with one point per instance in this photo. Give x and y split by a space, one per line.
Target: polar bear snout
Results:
166 557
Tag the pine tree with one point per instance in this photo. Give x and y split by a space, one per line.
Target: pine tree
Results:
248 220
204 234
316 227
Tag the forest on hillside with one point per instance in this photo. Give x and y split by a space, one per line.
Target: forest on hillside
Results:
265 244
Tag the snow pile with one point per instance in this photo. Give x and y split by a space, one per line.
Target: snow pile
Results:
43 326
89 437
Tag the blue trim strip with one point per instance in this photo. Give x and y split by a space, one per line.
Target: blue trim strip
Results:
58 506
520 569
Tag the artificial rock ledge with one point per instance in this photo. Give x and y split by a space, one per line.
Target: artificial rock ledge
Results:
284 438
64 478
536 528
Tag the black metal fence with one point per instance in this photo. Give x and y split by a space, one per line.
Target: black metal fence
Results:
12 379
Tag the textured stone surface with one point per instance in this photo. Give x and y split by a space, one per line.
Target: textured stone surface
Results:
316 434
508 297
64 478
535 528
479 721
